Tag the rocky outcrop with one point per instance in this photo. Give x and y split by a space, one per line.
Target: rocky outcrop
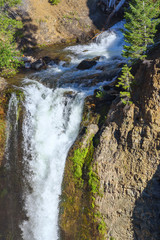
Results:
128 161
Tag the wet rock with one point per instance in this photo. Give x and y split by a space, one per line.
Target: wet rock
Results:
37 65
109 97
106 87
27 65
86 64
28 59
46 59
120 65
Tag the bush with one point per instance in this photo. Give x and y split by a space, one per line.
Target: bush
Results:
54 2
9 55
9 59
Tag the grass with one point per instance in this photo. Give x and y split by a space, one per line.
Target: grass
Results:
71 16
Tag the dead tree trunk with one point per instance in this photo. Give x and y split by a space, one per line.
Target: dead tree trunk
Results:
116 9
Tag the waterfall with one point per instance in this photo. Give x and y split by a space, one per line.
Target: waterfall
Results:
50 127
11 132
52 110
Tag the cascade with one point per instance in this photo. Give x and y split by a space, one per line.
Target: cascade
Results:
50 127
53 105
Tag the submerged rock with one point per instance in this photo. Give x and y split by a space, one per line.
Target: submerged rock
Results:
46 59
27 65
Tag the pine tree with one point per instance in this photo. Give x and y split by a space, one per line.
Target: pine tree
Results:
125 82
140 27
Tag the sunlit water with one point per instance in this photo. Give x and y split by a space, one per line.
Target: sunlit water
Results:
53 108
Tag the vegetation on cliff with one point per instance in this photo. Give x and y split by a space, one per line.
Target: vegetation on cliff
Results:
9 55
140 29
54 2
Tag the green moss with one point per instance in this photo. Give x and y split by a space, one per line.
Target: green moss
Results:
80 217
78 162
93 181
102 228
82 158
83 167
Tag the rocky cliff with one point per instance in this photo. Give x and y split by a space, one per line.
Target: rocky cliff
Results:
126 160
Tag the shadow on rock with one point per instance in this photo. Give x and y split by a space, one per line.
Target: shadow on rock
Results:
97 16
26 36
146 214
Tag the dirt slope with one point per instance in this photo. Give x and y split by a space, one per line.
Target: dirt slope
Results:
46 23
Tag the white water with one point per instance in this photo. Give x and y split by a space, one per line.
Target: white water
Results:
51 125
11 130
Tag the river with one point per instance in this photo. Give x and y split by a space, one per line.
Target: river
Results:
53 103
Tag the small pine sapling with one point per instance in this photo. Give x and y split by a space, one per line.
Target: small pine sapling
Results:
125 83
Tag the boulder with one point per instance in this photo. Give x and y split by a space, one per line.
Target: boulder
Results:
27 65
46 59
86 64
37 65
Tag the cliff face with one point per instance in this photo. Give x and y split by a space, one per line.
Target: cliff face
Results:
128 161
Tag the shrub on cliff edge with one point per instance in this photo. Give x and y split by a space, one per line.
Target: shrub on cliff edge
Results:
54 2
9 55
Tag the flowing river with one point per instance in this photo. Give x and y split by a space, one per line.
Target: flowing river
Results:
53 106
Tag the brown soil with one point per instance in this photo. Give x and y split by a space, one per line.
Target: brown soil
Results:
46 23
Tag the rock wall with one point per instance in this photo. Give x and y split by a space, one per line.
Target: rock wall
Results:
128 161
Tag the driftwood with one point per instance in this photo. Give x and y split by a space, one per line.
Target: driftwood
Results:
98 34
116 9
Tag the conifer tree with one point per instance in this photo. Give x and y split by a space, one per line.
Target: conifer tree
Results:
125 82
140 27
9 55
